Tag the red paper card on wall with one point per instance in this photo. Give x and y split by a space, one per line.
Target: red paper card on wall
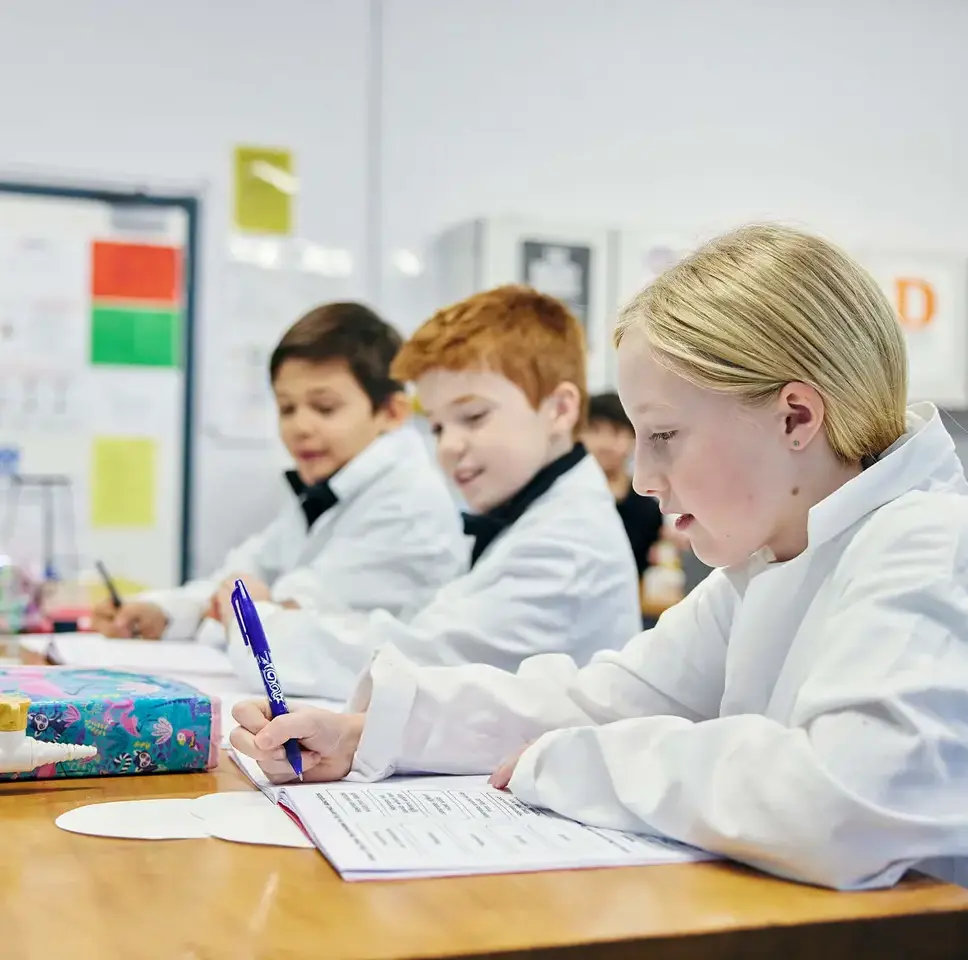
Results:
136 271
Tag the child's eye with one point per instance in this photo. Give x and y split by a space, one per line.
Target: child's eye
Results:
472 418
435 429
325 411
286 411
664 437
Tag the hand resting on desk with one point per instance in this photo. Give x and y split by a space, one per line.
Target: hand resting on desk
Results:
145 620
328 740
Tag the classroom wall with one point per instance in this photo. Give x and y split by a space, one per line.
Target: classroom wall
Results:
678 117
129 94
690 116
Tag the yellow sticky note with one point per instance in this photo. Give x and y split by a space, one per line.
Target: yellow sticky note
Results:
123 482
264 190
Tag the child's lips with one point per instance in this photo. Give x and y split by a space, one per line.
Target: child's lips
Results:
464 477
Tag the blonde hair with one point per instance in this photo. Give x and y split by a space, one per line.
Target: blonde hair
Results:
767 305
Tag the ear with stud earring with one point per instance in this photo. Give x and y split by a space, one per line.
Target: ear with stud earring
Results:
796 443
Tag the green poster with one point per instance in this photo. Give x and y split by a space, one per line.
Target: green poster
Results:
131 336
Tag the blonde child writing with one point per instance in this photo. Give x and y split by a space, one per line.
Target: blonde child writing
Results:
805 709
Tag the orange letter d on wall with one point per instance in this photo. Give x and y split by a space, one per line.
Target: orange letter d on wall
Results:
915 302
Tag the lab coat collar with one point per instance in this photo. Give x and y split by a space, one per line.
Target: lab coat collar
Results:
315 500
484 527
385 452
923 458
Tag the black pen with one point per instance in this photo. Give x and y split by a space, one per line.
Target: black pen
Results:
109 583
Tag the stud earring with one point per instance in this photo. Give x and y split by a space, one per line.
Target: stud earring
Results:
796 443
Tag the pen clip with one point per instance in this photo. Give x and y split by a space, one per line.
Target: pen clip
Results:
239 595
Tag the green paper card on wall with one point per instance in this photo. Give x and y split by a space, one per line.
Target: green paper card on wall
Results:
132 336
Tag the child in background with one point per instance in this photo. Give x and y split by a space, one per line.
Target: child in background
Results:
610 439
805 708
501 377
370 523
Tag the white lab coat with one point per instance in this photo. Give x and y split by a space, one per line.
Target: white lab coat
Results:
809 718
392 539
561 578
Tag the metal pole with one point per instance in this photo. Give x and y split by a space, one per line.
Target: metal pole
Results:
373 159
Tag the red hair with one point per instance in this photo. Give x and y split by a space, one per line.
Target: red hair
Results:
526 336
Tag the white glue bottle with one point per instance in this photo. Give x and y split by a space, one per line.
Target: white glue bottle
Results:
20 753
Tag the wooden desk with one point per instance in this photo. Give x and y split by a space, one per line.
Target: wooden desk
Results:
89 898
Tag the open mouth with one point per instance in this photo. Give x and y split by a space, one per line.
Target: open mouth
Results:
684 521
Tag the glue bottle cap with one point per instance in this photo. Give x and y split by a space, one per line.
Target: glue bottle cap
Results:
13 714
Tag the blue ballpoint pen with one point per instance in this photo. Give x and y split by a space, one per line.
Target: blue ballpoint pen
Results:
255 639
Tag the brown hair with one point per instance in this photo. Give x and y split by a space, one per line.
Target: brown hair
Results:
607 408
526 336
344 331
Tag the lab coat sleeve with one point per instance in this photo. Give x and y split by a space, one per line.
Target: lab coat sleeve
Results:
186 605
468 719
524 608
870 775
388 566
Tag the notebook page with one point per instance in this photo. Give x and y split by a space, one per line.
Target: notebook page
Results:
394 830
253 773
148 656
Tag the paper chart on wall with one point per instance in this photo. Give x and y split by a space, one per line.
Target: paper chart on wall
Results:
42 399
135 401
45 331
43 300
93 297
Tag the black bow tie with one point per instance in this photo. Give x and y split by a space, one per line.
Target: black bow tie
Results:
315 500
484 527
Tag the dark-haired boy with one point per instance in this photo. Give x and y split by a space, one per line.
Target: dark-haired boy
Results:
371 524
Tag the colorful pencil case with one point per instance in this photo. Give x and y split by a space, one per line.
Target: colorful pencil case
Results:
140 724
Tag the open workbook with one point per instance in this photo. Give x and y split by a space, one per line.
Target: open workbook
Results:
447 826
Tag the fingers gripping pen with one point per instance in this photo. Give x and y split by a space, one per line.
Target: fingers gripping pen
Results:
255 639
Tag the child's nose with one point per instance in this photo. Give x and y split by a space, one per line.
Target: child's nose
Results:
647 482
303 420
450 444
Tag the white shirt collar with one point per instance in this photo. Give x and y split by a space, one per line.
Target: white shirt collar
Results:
923 458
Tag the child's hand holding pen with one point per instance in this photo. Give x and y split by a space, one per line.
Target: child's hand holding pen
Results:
136 619
220 605
328 741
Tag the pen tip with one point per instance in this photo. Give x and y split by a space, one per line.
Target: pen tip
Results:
300 776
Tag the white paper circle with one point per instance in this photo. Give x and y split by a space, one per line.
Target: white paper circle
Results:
136 820
248 817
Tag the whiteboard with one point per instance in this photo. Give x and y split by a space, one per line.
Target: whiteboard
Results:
95 360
